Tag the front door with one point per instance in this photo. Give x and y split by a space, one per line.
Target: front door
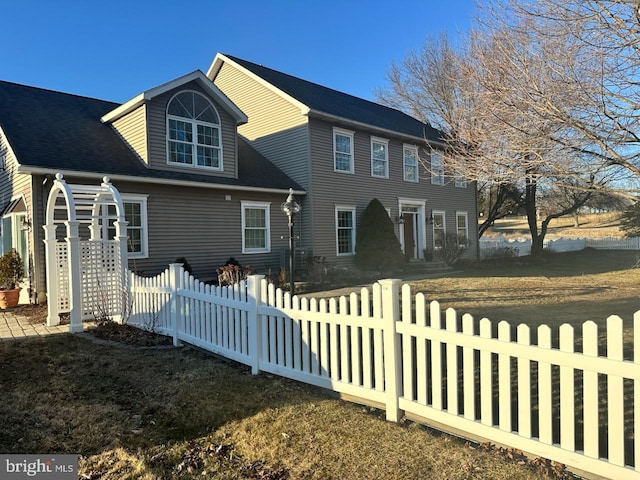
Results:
409 235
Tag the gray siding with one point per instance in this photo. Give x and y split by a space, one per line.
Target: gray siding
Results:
201 225
132 128
157 132
332 188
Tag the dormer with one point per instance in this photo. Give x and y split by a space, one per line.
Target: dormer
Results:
186 125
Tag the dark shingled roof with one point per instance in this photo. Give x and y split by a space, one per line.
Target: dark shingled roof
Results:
332 102
60 131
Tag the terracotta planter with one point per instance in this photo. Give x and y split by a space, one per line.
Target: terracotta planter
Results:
9 298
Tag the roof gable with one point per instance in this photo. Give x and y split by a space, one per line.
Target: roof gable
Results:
197 76
314 99
51 131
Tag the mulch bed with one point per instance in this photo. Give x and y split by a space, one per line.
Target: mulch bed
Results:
129 335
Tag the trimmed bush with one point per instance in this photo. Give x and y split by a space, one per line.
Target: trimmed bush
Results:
377 247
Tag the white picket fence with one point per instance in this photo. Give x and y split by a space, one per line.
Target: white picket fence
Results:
522 246
526 389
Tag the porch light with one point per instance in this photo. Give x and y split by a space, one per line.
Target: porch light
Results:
290 207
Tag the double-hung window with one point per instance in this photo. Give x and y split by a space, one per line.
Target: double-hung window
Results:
439 226
462 227
193 132
345 230
437 170
256 236
342 151
379 158
410 161
460 180
135 213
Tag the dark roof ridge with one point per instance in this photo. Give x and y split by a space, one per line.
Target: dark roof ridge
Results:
50 90
238 59
333 103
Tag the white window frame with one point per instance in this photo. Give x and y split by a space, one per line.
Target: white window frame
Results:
352 210
266 206
380 141
460 181
437 176
344 133
414 149
444 226
464 215
140 199
17 238
194 136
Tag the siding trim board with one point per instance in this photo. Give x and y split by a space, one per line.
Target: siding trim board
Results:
161 181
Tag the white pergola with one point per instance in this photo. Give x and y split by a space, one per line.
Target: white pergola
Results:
86 258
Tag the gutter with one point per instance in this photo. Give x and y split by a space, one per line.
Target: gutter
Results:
22 169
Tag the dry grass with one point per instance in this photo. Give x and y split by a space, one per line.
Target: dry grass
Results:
590 225
560 288
180 413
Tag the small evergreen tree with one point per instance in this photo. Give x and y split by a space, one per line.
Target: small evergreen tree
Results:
377 247
630 220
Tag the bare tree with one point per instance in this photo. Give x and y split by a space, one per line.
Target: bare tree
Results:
496 99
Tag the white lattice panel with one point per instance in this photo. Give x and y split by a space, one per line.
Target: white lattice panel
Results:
101 278
62 276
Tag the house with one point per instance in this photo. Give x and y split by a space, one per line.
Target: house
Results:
204 162
198 192
344 151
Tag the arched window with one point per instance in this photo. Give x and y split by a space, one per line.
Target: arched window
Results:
193 132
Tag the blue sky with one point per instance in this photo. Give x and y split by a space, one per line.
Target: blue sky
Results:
116 49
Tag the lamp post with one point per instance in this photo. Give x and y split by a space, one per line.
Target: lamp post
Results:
290 207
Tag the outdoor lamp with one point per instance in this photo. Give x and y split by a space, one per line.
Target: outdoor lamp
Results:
290 207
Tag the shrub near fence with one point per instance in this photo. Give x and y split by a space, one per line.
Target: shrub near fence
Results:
401 353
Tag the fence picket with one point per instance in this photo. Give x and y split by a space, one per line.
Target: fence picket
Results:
524 384
567 392
407 344
452 364
468 367
367 346
504 380
636 391
436 358
615 392
545 391
486 377
325 361
422 372
345 344
356 342
590 392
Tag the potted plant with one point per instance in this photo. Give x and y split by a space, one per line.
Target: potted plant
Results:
11 273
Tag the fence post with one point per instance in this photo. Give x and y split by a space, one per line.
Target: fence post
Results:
392 350
254 323
176 279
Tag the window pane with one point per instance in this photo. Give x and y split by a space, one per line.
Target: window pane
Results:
203 110
379 151
134 244
343 143
345 231
255 217
255 238
208 136
208 157
343 162
179 130
180 153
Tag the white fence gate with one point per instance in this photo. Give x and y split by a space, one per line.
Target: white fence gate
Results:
398 352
